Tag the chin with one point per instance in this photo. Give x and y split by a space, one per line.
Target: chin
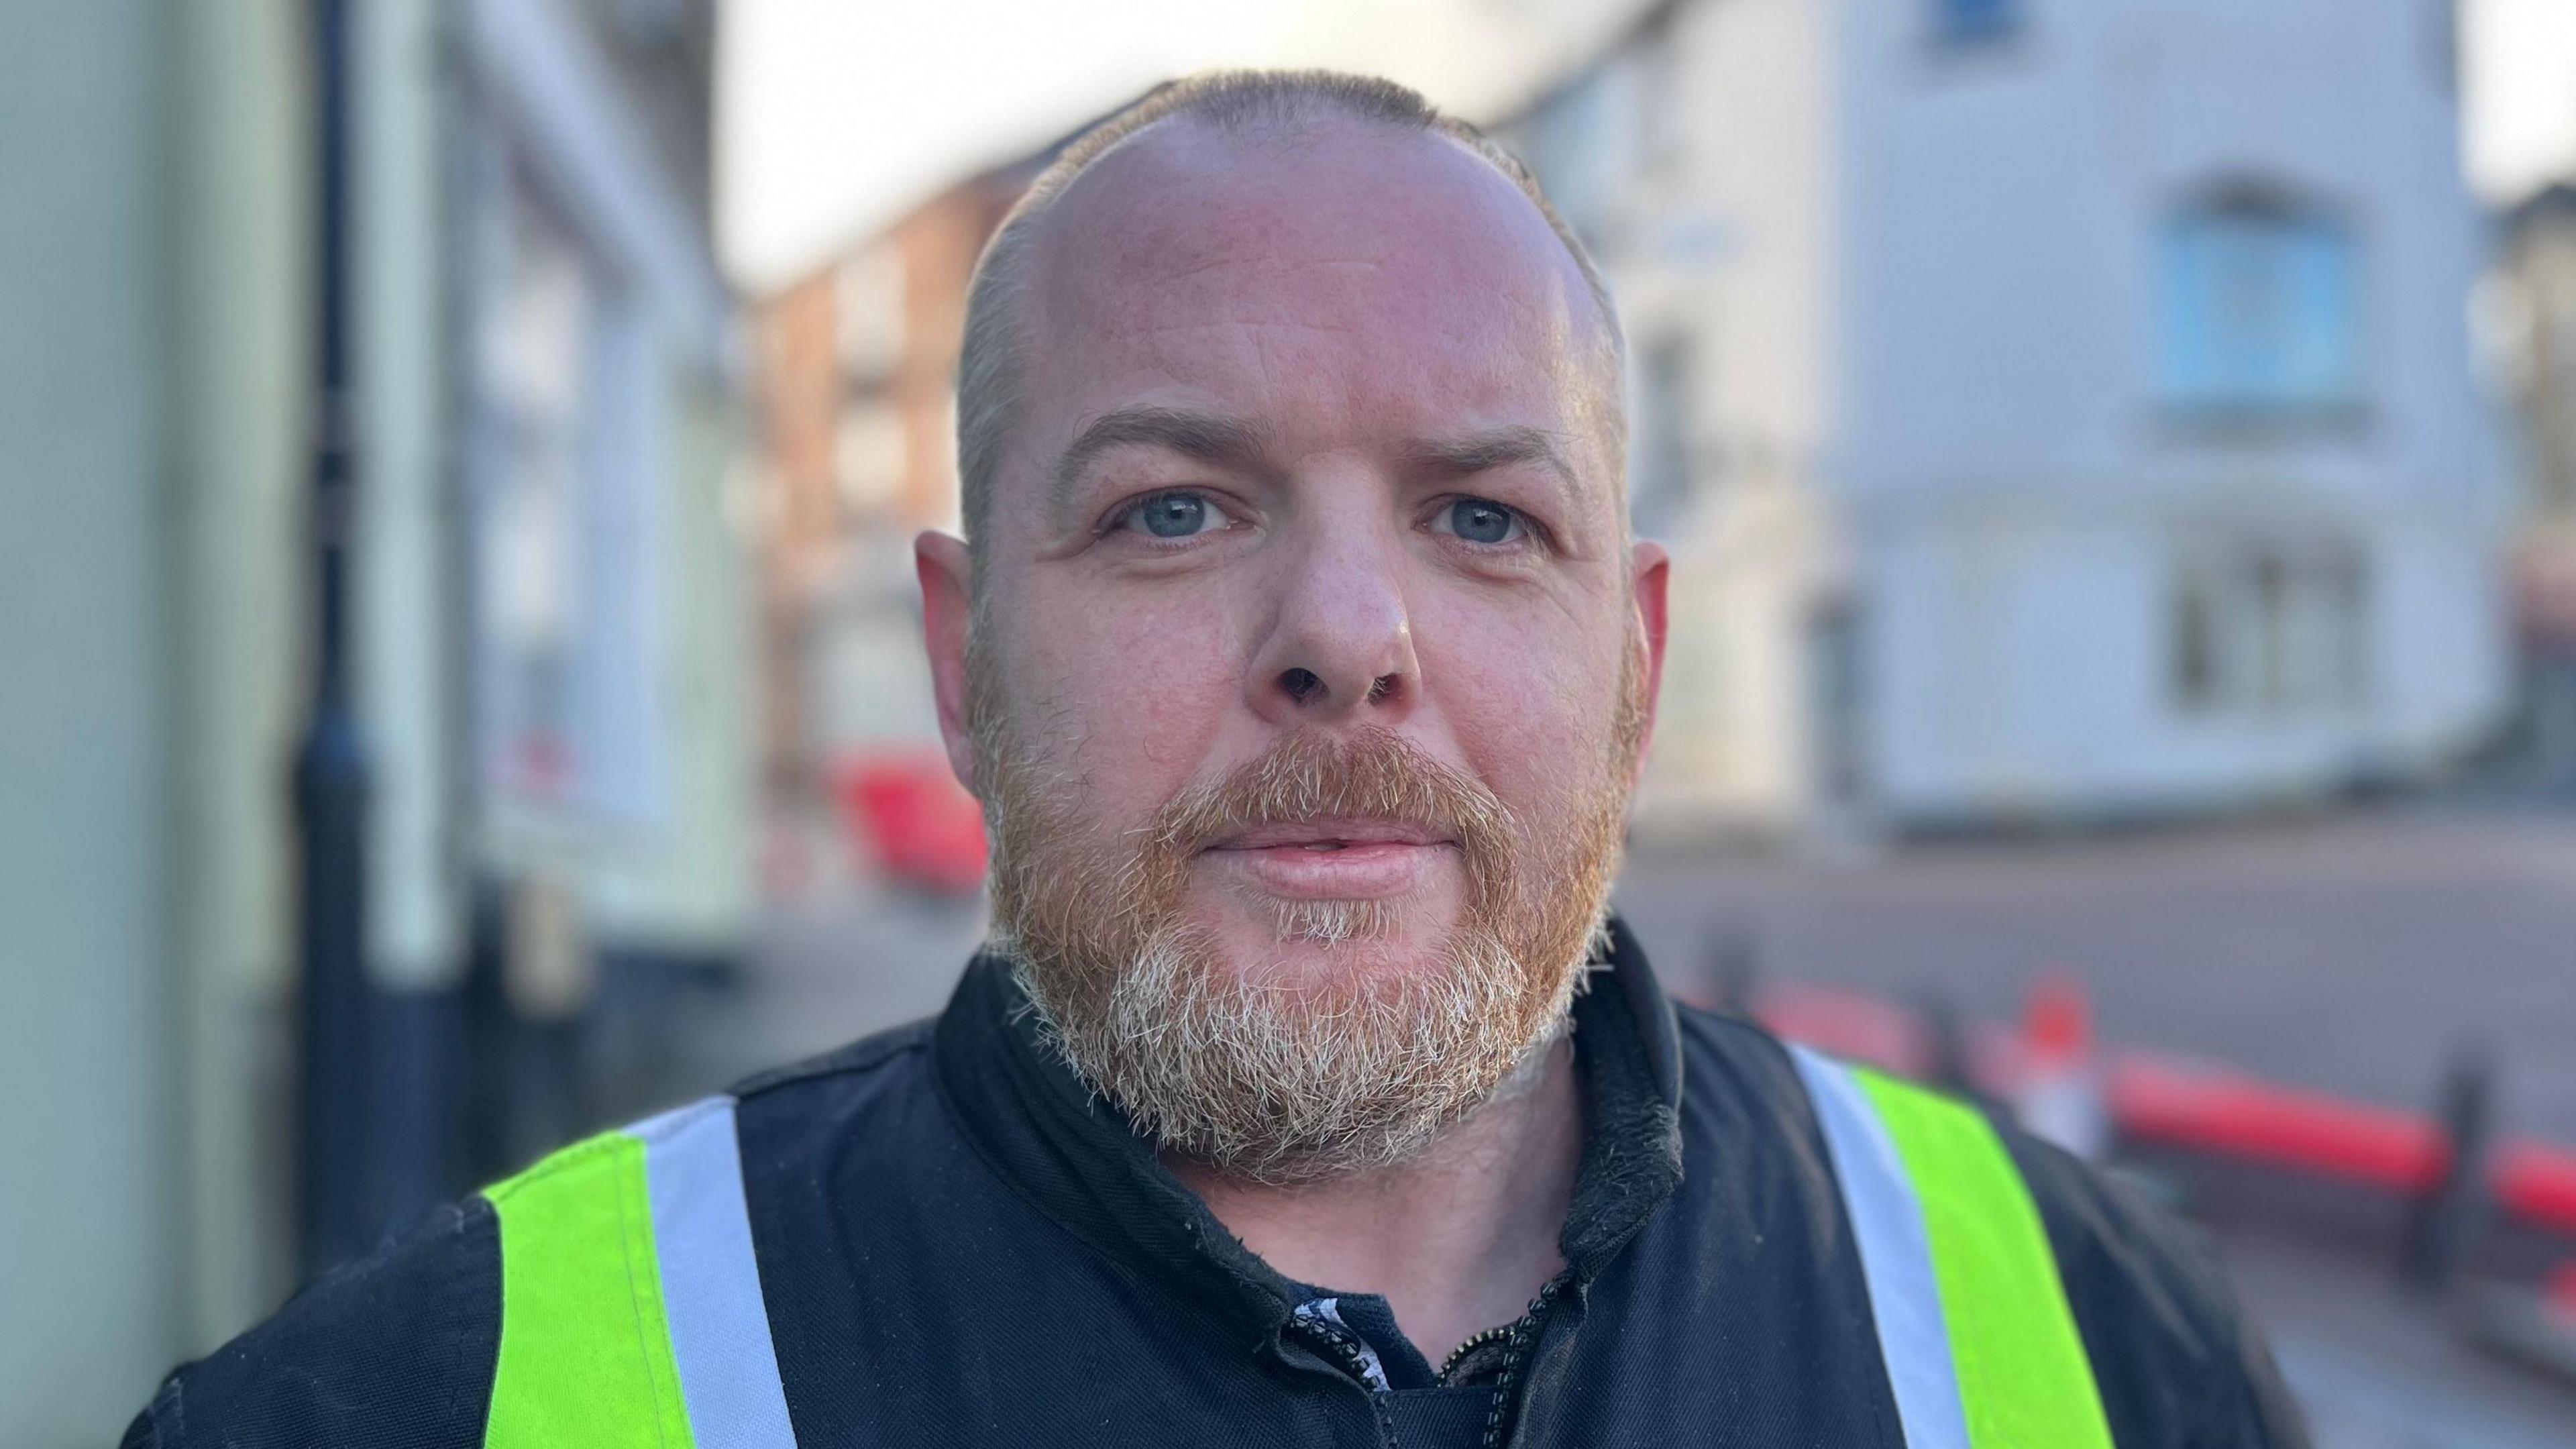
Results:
1286 940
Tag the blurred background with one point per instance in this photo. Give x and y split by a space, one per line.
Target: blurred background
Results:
458 670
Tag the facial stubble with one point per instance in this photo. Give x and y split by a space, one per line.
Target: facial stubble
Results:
1287 1077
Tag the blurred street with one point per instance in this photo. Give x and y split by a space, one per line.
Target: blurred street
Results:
2345 954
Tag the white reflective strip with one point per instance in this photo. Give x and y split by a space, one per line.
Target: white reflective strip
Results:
711 1281
1895 1257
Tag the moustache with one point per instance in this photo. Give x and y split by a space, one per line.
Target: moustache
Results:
1370 775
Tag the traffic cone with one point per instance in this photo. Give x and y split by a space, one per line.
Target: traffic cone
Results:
2061 1094
2558 1293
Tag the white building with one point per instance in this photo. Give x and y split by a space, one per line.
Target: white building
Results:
542 359
2057 407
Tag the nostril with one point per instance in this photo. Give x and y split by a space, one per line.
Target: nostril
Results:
1301 684
1380 688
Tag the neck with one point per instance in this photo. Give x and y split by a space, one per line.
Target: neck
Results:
1457 1240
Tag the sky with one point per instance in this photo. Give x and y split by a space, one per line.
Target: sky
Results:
2518 75
836 115
833 116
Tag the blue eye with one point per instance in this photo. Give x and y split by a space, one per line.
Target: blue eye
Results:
1478 521
1174 515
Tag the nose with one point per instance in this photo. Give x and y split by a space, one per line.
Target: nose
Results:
1340 649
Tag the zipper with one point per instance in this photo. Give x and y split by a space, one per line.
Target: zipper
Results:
1458 1355
1522 1334
1347 1346
1344 1344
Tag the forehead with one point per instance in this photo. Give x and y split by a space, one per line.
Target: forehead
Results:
1337 283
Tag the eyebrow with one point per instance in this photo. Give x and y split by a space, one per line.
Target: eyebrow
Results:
1228 442
1471 453
1208 437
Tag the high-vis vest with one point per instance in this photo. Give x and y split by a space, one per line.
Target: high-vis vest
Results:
631 1310
630 1300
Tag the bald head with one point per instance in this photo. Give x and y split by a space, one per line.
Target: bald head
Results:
1290 424
1212 150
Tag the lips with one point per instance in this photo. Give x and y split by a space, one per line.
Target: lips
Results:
1345 859
1333 834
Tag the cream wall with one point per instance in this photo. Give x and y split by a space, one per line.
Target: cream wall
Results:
1731 243
235 172
99 580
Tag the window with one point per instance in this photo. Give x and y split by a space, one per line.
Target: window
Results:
1580 143
1839 699
1659 460
1971 22
2271 630
1662 79
1611 125
565 478
2257 309
868 314
2442 44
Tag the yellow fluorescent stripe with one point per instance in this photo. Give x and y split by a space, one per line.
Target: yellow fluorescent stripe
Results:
2024 1381
585 1352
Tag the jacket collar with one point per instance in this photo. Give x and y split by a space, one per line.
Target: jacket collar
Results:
1072 1155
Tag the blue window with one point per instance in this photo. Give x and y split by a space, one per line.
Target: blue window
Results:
1661 477
2257 309
1976 20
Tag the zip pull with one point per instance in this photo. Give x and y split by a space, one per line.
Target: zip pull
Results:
1321 1319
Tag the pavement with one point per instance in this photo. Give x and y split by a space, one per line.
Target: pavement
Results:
827 972
2351 954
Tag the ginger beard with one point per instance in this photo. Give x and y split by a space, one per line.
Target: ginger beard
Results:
1289 1080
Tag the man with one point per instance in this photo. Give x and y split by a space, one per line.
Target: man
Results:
1307 1094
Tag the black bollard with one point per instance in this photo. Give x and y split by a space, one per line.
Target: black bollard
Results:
335 1155
1734 971
1945 1044
2446 1223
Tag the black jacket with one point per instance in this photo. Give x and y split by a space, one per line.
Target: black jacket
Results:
960 1245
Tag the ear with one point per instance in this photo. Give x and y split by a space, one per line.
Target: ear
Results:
947 615
1653 574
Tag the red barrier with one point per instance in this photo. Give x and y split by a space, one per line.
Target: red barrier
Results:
2536 1181
2178 1103
908 812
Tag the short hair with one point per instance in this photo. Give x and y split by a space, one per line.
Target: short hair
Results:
1236 102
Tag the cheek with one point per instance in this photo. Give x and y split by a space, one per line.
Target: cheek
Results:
1125 696
1530 692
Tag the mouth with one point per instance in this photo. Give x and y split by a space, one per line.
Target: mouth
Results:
1334 859
1332 835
